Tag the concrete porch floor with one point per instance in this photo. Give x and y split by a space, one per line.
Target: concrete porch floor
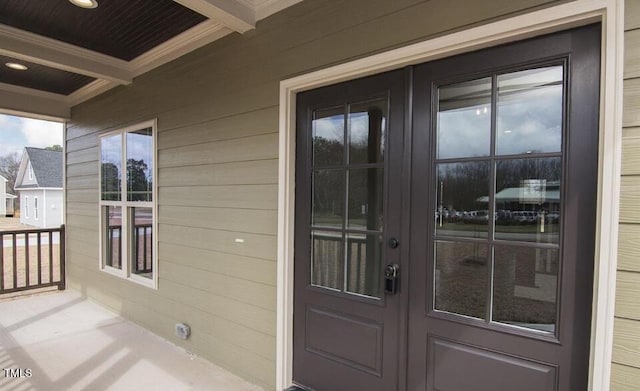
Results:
70 343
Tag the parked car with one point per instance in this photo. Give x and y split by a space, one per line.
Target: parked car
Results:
476 217
524 216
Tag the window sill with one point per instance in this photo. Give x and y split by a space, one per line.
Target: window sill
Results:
146 282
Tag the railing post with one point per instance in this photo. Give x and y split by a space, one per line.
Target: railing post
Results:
63 278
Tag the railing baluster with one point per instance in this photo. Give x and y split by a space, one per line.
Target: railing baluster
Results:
39 258
51 257
144 250
15 261
151 249
136 249
109 255
26 259
120 247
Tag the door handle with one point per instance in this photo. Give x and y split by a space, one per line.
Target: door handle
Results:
391 274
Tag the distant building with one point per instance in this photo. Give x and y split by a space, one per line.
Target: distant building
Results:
6 199
39 184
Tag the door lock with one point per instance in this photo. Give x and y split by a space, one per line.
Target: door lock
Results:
391 273
393 243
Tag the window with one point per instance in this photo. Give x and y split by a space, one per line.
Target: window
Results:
26 207
128 242
30 170
35 208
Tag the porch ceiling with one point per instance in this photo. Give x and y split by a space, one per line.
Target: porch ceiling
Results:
73 54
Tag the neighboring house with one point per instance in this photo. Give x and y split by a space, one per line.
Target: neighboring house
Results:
276 190
39 185
6 199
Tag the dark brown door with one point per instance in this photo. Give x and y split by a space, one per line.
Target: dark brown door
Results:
348 189
504 206
476 178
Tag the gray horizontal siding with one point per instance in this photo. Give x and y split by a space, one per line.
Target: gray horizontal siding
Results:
217 112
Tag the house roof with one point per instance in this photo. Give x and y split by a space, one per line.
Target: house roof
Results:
519 194
47 167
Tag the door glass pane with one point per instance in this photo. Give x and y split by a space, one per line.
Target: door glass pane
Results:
327 259
111 168
525 285
364 257
328 137
529 111
461 278
464 119
142 239
140 165
366 198
527 200
367 131
462 207
112 236
328 198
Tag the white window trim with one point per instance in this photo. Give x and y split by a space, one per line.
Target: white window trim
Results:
125 272
557 18
35 208
26 207
30 171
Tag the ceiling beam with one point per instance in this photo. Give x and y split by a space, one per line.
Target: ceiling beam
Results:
41 50
232 13
32 103
196 37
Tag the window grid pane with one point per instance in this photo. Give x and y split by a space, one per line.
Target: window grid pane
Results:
347 196
508 90
525 287
140 165
112 236
141 239
111 167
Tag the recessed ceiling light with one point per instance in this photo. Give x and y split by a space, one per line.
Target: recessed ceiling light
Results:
85 3
16 66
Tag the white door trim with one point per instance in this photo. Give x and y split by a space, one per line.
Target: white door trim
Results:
561 17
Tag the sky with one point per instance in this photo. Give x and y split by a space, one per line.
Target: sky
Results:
17 133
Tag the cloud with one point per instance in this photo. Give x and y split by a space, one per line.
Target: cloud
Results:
4 120
8 149
40 133
18 132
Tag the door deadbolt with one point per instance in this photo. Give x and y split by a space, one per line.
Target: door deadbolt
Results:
393 243
391 273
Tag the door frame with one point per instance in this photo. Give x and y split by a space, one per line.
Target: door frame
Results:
576 13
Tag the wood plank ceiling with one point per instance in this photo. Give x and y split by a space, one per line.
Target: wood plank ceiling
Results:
119 28
73 53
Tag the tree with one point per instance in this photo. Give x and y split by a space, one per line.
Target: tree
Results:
138 185
55 147
110 182
9 165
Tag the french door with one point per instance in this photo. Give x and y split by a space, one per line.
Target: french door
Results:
445 222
